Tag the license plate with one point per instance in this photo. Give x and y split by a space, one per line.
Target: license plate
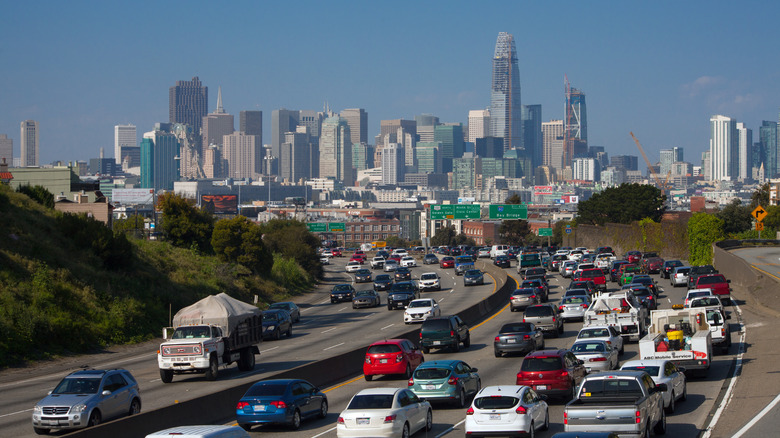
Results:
429 386
259 408
382 360
511 341
495 416
363 421
541 387
436 342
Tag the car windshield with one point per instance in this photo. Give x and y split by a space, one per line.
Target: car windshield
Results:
431 373
383 349
428 277
363 272
371 401
473 272
541 364
272 316
538 311
593 333
191 332
342 288
577 299
364 293
591 273
496 402
704 302
588 347
610 388
383 277
651 370
402 287
423 303
283 306
517 327
78 385
531 283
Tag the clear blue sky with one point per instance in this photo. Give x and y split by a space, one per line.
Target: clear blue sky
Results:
660 69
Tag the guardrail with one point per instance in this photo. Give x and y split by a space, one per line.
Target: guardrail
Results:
219 407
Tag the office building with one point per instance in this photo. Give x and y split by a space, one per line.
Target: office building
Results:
533 141
769 144
586 169
625 162
294 160
724 148
465 171
576 129
30 143
242 154
188 103
282 122
336 151
251 123
362 156
450 135
312 120
217 125
357 119
131 157
393 164
489 147
389 132
429 158
190 152
669 157
744 150
426 120
124 135
552 144
6 149
479 125
213 163
505 106
159 166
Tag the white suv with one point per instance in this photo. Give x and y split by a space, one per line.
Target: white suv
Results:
408 262
421 309
430 281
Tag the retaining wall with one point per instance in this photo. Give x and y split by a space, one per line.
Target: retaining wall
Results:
762 290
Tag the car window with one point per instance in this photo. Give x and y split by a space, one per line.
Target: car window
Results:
541 364
611 388
670 369
496 402
528 398
115 382
307 388
297 389
588 347
403 399
371 401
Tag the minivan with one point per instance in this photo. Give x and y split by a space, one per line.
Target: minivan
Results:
498 250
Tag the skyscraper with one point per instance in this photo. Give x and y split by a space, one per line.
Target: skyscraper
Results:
30 143
251 123
724 148
668 158
124 135
294 162
552 144
282 122
336 151
242 154
769 145
393 164
450 135
6 149
216 125
532 133
505 106
575 136
188 103
159 166
745 148
479 124
357 119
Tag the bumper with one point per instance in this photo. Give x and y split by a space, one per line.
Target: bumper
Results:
520 347
278 417
450 394
415 317
398 304
381 286
443 343
184 363
473 282
69 421
572 315
356 304
518 428
521 304
436 286
384 368
339 298
386 430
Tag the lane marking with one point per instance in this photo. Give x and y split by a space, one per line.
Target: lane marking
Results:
758 417
450 429
343 309
334 346
387 326
14 413
323 433
344 384
329 330
272 348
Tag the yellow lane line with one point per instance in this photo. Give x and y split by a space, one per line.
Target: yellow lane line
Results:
344 384
767 273
502 309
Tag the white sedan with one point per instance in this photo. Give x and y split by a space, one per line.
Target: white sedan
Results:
421 309
325 260
384 412
408 262
507 410
603 333
353 266
663 371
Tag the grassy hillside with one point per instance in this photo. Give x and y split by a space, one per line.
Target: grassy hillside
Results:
57 296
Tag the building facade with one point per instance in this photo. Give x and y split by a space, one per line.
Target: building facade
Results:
296 153
724 148
242 155
357 119
124 135
188 103
30 143
251 123
159 166
393 166
479 124
6 149
505 105
552 144
282 122
532 133
336 151
745 149
450 136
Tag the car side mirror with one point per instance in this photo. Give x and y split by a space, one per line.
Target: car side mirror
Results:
474 370
661 387
581 362
106 392
681 369
542 397
728 316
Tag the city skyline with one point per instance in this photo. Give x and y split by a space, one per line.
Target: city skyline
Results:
667 68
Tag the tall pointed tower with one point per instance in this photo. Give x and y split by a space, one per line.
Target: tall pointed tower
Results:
505 107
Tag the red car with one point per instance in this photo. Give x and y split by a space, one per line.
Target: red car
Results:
359 258
597 276
447 262
633 256
336 252
555 373
653 265
717 283
392 356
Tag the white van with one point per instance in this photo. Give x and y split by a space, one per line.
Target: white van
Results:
202 432
498 250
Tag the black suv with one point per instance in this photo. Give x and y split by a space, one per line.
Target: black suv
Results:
342 292
403 274
401 294
444 331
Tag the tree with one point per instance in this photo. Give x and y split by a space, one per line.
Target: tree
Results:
396 242
514 199
703 230
183 224
760 197
443 236
238 240
736 218
514 232
462 239
292 239
623 204
38 194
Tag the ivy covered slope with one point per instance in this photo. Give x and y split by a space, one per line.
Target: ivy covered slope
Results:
68 284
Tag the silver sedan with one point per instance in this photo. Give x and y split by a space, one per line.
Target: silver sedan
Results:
596 355
573 307
663 371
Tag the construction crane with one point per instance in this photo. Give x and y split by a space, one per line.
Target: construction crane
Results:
661 185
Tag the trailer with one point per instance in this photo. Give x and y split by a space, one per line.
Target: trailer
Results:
681 336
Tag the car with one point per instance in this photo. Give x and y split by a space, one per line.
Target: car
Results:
483 252
645 296
447 262
517 337
652 265
473 277
275 323
603 249
614 270
586 284
546 317
668 267
384 412
353 266
529 273
647 281
401 294
392 357
539 285
679 276
402 274
555 373
663 371
336 252
507 410
567 268
383 282
633 256
360 258
408 262
573 307
694 293
462 264
452 381
421 309
363 276
324 260
342 292
377 262
444 331
596 354
430 281
606 333
502 262
696 271
717 283
201 431
390 265
522 298
430 259
327 253
366 298
400 252
280 401
290 307
576 292
595 275
704 301
627 273
555 261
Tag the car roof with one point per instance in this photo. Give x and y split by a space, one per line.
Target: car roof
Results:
388 341
91 372
547 353
423 299
446 363
379 391
501 390
645 362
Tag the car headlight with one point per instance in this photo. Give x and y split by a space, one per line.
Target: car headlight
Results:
271 327
37 409
79 408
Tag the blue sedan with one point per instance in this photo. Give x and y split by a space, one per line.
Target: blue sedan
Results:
283 401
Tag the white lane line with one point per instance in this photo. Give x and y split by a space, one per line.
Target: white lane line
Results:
450 429
323 433
387 326
343 309
669 300
329 330
758 417
323 302
304 322
334 346
442 299
734 376
14 413
272 348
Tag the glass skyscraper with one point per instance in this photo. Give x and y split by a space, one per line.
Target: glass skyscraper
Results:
505 107
768 138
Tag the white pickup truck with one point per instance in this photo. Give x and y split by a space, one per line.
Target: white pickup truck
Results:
620 310
681 336
377 263
603 261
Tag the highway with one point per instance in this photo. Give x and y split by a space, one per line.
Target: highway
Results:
325 330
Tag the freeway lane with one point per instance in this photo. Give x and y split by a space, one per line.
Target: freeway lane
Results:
325 330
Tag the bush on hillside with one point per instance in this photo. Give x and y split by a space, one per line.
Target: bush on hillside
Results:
38 194
183 224
239 240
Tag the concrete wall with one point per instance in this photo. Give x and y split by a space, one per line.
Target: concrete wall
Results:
219 407
668 238
762 290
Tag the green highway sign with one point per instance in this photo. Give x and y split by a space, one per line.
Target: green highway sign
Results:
318 227
508 211
455 211
545 232
336 226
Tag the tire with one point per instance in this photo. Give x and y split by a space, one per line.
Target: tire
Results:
277 334
685 393
135 407
405 431
467 342
496 353
295 424
670 409
546 425
368 377
213 369
289 332
94 418
247 360
41 431
429 421
660 427
460 402
426 350
532 430
512 309
456 346
560 329
246 427
166 376
389 307
323 409
408 373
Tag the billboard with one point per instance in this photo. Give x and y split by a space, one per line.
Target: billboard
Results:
543 190
133 196
570 199
219 203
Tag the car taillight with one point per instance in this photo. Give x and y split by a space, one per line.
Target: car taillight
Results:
452 381
368 359
638 417
420 334
470 410
389 418
561 308
341 420
526 336
279 404
399 358
597 359
565 418
584 306
497 339
242 405
564 373
521 410
523 319
723 332
410 382
452 334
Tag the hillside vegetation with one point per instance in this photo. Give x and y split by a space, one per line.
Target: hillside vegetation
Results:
68 284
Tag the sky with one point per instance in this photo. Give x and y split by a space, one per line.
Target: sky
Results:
660 69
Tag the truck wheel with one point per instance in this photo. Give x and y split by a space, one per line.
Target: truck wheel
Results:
166 376
660 427
213 369
467 342
247 360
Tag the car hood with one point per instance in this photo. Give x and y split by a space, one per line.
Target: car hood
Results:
67 399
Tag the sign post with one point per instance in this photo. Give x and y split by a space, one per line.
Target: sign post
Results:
759 213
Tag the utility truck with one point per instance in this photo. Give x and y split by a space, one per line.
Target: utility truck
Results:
620 310
215 331
681 336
